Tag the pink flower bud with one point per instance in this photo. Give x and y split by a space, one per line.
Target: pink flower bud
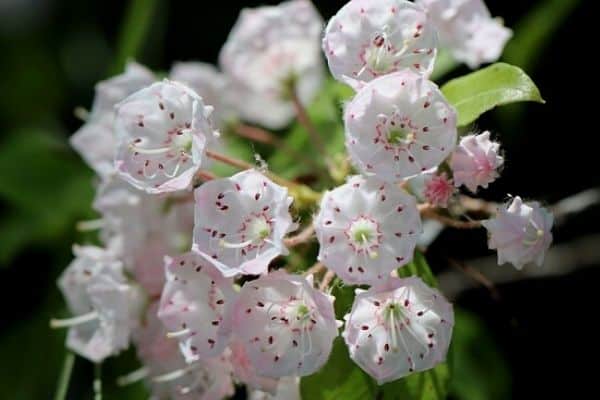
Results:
476 161
520 232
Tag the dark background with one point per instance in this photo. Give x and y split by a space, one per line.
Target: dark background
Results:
52 52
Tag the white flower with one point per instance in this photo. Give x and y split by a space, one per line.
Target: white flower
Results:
286 326
210 84
163 131
195 306
367 229
269 49
106 308
370 38
241 222
468 30
95 140
401 327
476 161
288 388
398 126
520 232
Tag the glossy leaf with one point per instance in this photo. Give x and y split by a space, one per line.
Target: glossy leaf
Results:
483 90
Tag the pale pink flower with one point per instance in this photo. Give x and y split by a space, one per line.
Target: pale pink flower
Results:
520 232
476 161
286 326
195 306
398 328
398 126
95 141
244 372
439 189
288 388
371 38
468 30
105 307
366 229
241 222
269 49
163 131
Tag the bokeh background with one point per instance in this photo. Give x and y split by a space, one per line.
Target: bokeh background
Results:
535 336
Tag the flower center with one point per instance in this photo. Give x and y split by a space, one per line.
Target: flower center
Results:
380 55
182 140
400 136
259 228
363 235
532 234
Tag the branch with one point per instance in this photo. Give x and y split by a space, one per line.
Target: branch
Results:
304 236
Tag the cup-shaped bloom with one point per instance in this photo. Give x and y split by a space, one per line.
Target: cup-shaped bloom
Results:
270 51
286 326
241 222
95 141
398 126
467 29
476 161
370 38
398 328
195 306
520 232
104 305
366 229
162 131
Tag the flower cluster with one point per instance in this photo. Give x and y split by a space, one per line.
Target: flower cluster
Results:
190 268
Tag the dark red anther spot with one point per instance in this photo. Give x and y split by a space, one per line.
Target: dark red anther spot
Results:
260 304
411 159
295 343
426 147
377 303
361 269
182 263
426 104
430 345
364 328
161 105
406 303
270 339
198 268
141 124
386 347
331 239
257 196
420 314
194 349
417 66
211 342
327 222
398 234
238 187
430 335
380 360
172 115
276 358
378 41
337 209
160 166
220 196
400 209
248 310
220 301
215 323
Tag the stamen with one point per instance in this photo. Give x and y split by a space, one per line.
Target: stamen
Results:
90 225
160 150
178 334
69 322
133 377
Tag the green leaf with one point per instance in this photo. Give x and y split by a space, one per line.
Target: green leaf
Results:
65 377
340 378
427 385
534 32
479 371
135 27
481 91
45 187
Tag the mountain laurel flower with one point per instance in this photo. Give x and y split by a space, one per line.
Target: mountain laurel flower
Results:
476 161
286 326
240 222
163 131
270 51
467 29
398 126
366 229
195 306
95 141
211 84
105 306
439 189
370 38
398 328
520 232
